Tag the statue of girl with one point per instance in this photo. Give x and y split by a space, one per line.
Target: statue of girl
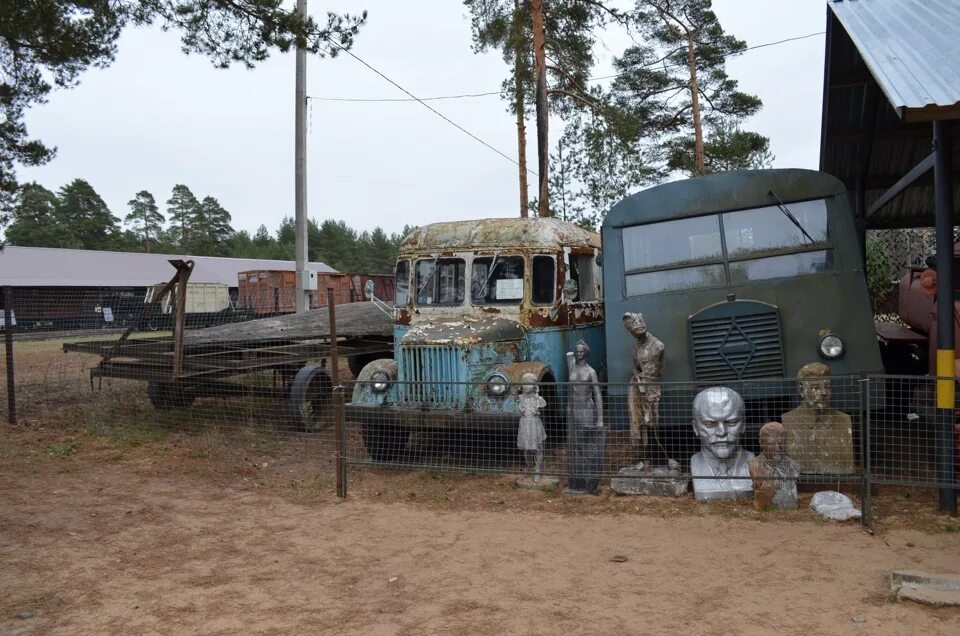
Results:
531 434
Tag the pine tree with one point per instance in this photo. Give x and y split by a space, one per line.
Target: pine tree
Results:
182 211
90 223
35 221
677 78
211 228
568 34
144 219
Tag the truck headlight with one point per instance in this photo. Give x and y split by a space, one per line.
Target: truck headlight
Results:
831 346
379 381
497 384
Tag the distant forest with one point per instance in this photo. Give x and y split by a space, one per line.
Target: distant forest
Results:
77 217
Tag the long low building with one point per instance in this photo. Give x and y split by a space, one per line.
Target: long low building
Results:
58 267
55 288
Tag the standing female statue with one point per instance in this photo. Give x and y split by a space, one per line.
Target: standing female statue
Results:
585 433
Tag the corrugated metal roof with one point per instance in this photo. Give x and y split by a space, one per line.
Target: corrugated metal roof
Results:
911 47
885 60
56 267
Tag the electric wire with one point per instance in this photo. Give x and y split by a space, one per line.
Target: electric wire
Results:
489 93
431 108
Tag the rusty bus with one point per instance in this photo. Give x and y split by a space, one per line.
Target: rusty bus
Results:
478 304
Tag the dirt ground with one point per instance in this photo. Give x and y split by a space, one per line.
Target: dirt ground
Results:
138 531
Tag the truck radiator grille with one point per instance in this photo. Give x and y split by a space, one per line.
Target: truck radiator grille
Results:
429 375
737 347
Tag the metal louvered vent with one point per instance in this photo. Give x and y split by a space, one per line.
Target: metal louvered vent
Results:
737 347
428 375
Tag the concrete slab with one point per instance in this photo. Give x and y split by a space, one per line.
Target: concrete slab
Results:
939 590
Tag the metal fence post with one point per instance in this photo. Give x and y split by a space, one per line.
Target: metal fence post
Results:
338 431
8 344
866 517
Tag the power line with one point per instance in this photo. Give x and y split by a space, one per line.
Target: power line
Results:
401 99
430 108
487 94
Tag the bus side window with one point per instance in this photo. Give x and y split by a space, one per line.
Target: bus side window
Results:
543 281
580 269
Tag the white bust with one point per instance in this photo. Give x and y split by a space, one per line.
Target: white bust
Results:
718 422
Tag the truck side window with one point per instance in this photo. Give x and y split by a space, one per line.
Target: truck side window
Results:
503 286
580 269
403 283
543 282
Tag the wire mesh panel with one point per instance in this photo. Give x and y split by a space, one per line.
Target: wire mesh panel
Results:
909 444
82 356
591 433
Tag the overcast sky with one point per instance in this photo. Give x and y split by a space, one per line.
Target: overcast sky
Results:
157 117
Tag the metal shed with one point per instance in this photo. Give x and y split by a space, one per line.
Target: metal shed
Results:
891 94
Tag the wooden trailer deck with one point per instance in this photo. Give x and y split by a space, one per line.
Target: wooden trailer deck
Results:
282 342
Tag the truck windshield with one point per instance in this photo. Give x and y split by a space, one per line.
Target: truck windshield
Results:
403 283
440 281
729 248
502 285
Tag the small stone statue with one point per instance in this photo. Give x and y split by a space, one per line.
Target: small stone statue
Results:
718 422
774 474
819 438
585 433
530 433
644 391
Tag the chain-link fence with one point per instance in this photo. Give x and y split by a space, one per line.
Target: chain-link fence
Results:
329 383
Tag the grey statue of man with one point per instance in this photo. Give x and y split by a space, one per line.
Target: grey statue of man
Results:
720 467
644 390
586 435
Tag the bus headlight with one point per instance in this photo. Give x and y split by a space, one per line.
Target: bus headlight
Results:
831 346
379 381
497 384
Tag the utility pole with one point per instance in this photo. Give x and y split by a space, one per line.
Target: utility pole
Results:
300 168
543 115
521 116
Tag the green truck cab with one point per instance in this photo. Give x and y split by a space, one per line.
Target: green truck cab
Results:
745 276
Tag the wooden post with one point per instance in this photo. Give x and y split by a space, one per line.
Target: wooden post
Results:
519 98
8 343
338 430
543 113
180 314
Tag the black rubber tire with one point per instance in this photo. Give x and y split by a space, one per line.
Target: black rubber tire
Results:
385 443
312 385
167 396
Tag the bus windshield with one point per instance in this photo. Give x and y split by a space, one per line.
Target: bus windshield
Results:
440 281
728 248
502 285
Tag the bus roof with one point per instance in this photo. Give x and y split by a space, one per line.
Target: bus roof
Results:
536 233
720 192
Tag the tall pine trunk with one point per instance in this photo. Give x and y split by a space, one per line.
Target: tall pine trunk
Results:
699 163
543 145
519 98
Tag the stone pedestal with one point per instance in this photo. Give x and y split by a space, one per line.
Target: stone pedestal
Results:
585 456
658 482
545 483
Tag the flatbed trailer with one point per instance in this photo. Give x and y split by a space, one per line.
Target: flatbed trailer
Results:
209 361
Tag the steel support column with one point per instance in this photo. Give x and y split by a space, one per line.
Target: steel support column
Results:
943 196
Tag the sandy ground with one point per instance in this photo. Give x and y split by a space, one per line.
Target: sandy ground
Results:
108 535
